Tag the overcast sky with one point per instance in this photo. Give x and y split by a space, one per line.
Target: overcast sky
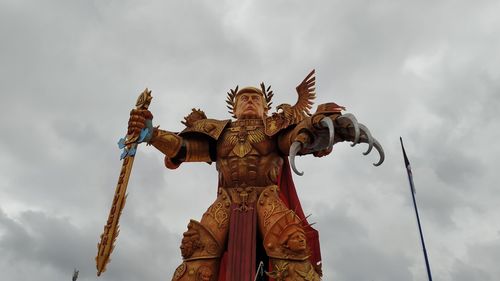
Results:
429 71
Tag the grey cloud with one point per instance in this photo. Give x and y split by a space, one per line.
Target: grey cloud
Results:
38 240
70 72
41 241
485 254
462 272
349 252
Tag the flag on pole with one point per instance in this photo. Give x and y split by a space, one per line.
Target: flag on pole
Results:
408 167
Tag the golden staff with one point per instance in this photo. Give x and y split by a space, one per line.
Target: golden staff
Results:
111 229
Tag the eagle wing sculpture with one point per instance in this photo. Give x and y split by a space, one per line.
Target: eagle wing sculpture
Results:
306 91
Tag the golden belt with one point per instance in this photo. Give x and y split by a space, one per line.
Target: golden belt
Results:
248 195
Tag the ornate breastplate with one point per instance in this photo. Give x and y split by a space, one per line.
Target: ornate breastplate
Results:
242 136
246 156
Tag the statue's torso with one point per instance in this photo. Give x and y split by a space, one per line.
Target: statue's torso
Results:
246 156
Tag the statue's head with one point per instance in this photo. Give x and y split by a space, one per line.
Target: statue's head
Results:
249 102
190 241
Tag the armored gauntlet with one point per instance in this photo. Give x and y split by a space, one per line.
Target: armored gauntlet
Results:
167 142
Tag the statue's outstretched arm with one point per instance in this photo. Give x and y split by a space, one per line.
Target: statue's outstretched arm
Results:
179 149
318 133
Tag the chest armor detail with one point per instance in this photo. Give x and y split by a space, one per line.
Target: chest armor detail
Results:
246 156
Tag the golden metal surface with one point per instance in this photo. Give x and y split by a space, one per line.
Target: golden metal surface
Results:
111 229
210 127
167 142
197 150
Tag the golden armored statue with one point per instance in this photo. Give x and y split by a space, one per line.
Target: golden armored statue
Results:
256 215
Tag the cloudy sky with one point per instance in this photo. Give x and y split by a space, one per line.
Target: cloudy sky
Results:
429 71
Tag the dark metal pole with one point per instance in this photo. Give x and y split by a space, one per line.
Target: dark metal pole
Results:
412 190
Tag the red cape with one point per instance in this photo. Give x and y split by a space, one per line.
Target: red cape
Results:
288 195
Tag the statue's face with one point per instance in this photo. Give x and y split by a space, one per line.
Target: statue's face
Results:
297 242
187 248
249 106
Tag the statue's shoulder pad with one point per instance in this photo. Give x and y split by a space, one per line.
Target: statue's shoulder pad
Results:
209 127
276 123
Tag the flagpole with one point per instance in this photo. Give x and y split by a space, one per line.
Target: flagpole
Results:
412 191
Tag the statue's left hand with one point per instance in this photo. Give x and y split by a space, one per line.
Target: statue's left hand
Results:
329 129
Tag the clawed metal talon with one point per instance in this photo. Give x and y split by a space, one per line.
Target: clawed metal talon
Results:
355 125
362 134
294 149
380 150
347 122
366 131
328 123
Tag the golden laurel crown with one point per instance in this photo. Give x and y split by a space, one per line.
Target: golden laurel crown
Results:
233 93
